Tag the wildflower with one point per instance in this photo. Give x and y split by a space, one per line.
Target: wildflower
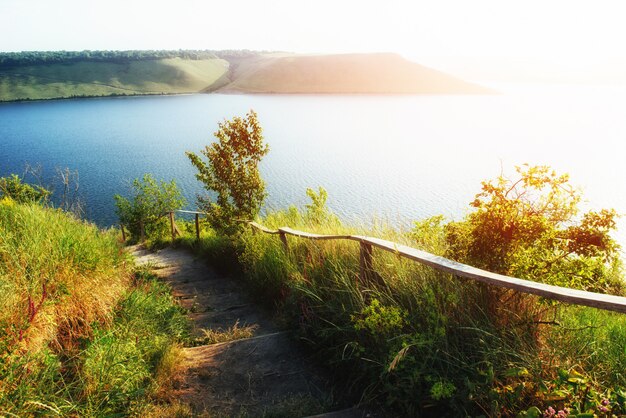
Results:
549 413
605 402
563 413
604 409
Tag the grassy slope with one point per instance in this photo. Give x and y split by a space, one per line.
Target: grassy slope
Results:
79 336
425 343
343 74
104 79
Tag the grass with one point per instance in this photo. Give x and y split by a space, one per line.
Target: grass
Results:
425 343
80 333
133 360
236 332
90 79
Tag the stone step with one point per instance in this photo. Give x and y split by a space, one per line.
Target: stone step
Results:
249 376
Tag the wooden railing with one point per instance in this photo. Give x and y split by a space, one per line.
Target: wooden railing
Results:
563 294
175 231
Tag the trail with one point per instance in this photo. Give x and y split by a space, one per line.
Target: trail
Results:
262 374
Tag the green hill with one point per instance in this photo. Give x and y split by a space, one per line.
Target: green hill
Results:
76 79
36 76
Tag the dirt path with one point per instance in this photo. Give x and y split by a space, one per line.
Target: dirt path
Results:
259 372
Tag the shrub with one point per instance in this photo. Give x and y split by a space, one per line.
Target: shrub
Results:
149 204
529 227
13 187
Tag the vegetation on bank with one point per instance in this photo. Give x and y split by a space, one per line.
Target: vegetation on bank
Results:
81 333
28 58
423 343
419 342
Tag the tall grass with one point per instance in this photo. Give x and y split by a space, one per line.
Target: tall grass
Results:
80 334
425 343
420 342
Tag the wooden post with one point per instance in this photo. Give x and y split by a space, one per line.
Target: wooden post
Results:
173 229
365 262
123 233
142 231
197 227
283 238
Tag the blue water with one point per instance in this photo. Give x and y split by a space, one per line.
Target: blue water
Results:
397 157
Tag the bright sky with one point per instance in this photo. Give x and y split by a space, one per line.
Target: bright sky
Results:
564 32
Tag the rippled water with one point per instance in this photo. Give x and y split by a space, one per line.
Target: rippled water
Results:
398 157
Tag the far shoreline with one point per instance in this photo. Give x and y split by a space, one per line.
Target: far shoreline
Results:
252 93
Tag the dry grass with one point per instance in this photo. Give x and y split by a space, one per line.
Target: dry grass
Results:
58 276
236 332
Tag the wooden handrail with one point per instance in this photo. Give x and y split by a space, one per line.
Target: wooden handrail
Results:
562 294
190 211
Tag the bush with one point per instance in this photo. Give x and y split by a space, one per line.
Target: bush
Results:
529 227
149 204
13 187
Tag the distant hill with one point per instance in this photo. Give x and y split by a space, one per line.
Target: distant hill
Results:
343 74
50 75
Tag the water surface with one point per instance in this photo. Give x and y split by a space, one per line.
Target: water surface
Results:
397 157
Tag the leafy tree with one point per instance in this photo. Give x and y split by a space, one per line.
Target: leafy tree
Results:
232 172
13 187
530 227
150 202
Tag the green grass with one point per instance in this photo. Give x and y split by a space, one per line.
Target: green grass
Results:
122 364
425 343
83 79
80 333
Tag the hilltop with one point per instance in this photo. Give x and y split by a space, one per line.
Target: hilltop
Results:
382 73
52 75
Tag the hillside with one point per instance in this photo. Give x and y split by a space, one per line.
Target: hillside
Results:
343 74
41 77
82 332
62 80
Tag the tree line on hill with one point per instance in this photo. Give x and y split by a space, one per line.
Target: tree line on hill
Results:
25 58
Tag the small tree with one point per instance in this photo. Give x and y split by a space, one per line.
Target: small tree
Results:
529 227
148 206
232 172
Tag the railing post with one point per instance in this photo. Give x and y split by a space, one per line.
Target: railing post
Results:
365 262
283 238
172 226
123 233
197 228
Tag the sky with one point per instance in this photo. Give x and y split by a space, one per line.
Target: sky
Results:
556 35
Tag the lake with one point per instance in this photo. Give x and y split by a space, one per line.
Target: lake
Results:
396 157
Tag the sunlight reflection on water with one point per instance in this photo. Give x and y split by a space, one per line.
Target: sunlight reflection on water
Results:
396 157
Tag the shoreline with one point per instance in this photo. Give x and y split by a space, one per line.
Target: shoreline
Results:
253 93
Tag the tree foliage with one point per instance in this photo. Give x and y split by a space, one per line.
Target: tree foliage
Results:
14 188
530 227
25 58
232 173
149 203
